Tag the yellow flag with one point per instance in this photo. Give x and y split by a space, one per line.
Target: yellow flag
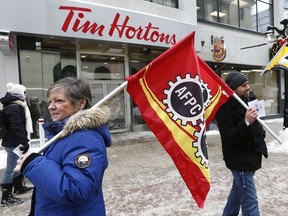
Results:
280 60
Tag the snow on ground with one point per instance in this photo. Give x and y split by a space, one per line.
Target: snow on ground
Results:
274 146
142 180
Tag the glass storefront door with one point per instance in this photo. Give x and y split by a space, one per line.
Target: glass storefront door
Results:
37 68
105 73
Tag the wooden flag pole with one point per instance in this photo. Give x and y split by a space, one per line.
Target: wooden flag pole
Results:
258 119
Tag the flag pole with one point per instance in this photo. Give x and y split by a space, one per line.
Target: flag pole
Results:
263 71
99 103
258 119
258 79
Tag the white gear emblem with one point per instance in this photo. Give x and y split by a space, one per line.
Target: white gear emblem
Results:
201 146
206 94
184 99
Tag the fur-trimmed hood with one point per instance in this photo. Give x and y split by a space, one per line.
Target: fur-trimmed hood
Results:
86 119
83 119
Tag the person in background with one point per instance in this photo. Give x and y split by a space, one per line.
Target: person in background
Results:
243 146
44 111
68 176
35 115
19 125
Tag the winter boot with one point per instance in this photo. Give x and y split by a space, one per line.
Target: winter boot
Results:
19 185
8 198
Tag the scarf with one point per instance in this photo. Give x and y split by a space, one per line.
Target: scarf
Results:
29 127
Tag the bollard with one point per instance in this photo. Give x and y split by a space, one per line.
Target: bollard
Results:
41 132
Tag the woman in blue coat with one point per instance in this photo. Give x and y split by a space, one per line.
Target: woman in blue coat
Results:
68 176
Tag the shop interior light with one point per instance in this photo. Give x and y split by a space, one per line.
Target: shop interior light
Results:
241 3
257 70
134 61
114 50
215 14
245 71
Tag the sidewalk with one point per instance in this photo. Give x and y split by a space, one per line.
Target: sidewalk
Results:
141 180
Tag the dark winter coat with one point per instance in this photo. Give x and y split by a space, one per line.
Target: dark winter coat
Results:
15 121
242 145
65 184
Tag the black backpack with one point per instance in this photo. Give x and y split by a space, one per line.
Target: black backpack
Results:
3 130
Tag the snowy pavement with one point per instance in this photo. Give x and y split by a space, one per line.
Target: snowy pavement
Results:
141 179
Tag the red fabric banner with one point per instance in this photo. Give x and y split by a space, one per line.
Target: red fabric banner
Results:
172 98
215 91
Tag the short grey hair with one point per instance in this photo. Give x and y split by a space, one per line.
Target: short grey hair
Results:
75 89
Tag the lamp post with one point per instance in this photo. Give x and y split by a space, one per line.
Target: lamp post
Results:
279 40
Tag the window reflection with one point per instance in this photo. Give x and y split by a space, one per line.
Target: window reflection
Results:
250 14
266 88
170 3
105 73
101 67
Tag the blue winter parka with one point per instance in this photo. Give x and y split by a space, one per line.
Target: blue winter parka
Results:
68 176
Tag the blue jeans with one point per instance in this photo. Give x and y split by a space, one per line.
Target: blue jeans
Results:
11 163
243 194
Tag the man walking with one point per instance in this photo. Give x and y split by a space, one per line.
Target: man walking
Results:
243 145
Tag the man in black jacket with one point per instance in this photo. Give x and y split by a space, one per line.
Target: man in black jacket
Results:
243 145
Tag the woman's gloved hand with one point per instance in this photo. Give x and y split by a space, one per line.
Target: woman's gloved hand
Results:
24 147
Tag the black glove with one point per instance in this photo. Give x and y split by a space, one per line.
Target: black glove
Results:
24 148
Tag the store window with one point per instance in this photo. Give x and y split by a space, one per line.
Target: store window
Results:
102 67
254 15
169 3
105 73
139 57
264 87
42 62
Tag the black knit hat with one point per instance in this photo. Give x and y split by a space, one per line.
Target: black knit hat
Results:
235 79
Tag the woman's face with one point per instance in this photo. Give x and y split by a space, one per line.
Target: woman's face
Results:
60 107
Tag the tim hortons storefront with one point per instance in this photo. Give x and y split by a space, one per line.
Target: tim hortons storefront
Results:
43 41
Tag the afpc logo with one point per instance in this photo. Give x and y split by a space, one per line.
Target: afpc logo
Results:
185 101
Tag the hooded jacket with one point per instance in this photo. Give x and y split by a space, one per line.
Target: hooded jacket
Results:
68 177
15 120
242 145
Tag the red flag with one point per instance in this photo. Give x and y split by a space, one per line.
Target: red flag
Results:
170 95
215 91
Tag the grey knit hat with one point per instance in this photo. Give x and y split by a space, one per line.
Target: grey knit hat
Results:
235 79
